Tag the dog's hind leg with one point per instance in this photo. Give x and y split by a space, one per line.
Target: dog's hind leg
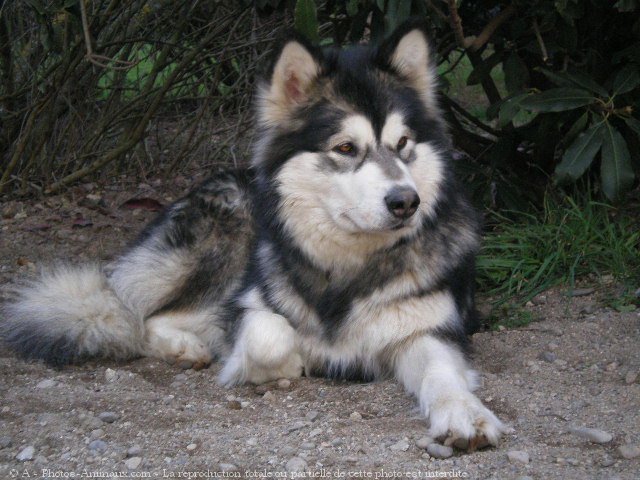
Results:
189 339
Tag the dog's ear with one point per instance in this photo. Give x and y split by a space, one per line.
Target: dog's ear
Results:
296 66
407 53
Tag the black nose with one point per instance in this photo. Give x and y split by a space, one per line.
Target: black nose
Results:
402 202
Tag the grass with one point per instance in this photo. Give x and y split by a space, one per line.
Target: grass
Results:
525 254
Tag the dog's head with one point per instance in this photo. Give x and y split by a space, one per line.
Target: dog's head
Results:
351 140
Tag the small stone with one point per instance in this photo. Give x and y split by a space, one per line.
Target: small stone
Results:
5 441
181 377
269 397
167 399
252 442
587 309
424 442
284 384
134 451
26 454
548 357
518 456
311 415
234 405
539 300
315 432
296 464
245 404
227 467
111 375
401 446
44 384
133 463
607 461
307 446
97 433
98 445
192 446
439 451
591 434
630 378
355 416
108 417
629 451
612 367
297 426
261 389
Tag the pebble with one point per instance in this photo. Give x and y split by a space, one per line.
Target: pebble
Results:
548 357
284 384
261 389
227 467
181 377
234 405
111 375
401 446
108 417
245 404
630 378
296 464
269 396
97 433
439 451
312 415
297 426
424 442
98 445
580 292
44 384
355 416
5 441
134 451
307 446
26 454
607 461
252 442
518 456
629 451
591 434
192 446
133 462
539 299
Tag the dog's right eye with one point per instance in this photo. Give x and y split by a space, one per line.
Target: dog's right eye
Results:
346 148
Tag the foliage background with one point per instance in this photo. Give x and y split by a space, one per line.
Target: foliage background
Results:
541 96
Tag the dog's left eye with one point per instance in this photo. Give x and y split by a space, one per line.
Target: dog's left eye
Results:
402 143
346 148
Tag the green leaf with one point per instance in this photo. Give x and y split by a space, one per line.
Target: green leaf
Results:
516 74
352 7
626 79
397 12
576 129
306 20
616 171
580 154
625 5
575 79
558 100
512 111
634 125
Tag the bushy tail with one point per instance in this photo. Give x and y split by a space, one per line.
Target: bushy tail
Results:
70 314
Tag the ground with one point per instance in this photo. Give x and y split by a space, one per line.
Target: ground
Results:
576 366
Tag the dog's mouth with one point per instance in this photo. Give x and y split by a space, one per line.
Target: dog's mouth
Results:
395 226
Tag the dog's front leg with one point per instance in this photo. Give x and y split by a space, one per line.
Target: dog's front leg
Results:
265 349
437 373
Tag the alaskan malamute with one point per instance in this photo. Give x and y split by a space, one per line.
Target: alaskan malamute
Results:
346 251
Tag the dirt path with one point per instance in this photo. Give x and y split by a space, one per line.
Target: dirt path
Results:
578 367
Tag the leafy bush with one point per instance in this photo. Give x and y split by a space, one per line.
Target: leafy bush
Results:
566 103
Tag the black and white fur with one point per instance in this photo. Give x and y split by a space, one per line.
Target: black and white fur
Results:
321 263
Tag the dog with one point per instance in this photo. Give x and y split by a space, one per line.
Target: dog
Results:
346 250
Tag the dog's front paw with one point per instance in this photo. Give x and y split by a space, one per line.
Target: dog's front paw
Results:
463 421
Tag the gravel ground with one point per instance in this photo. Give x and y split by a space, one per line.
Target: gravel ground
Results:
567 383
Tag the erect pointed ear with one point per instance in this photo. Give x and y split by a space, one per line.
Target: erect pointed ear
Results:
407 53
294 71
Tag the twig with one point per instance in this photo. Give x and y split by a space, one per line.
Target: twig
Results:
458 108
95 58
543 47
491 27
456 23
